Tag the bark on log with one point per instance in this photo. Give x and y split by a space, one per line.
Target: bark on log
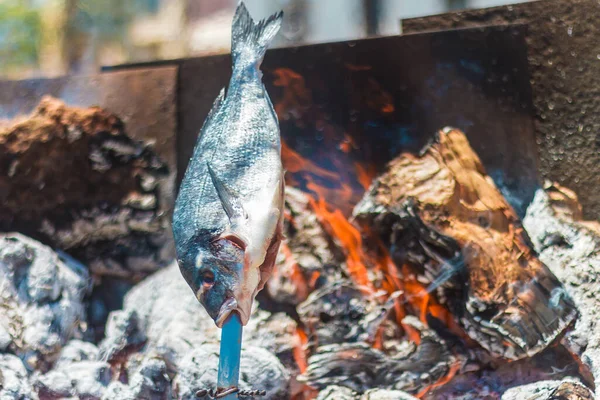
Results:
439 212
73 178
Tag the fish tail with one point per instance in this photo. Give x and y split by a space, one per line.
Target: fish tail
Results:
249 40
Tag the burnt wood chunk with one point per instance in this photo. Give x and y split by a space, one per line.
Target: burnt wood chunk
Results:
308 256
412 368
440 213
74 179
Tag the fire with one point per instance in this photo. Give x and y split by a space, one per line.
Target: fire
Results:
300 351
348 236
364 174
296 97
454 368
295 163
335 181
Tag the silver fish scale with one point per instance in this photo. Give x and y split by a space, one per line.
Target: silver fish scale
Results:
241 142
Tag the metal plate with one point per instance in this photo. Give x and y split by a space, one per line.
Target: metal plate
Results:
564 60
369 100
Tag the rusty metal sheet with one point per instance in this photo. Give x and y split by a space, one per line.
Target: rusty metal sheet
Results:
368 100
564 60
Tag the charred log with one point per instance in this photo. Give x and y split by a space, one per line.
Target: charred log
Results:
308 257
73 178
441 214
360 367
337 313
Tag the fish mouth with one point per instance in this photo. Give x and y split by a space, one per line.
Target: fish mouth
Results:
227 308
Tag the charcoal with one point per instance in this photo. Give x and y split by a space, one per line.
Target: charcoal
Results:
439 213
73 179
259 370
82 379
361 367
549 390
14 383
123 337
307 257
418 366
334 392
149 382
570 247
42 300
336 313
352 365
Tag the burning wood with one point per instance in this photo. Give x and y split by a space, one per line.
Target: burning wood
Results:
337 313
414 368
74 178
307 258
440 214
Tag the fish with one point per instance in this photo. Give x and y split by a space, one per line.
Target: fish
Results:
228 215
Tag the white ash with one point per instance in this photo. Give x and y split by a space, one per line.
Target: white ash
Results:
150 382
42 300
335 392
14 383
161 319
571 249
549 390
384 394
81 379
259 369
343 393
75 351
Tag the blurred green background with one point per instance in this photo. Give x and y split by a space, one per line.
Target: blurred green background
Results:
55 37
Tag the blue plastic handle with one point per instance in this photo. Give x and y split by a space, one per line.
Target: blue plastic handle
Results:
229 357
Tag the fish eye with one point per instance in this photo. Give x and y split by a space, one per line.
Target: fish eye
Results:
208 279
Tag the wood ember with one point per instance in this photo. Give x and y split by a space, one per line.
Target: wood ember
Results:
361 367
336 313
307 258
440 213
74 179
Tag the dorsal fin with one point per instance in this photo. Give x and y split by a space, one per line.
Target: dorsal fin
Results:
229 199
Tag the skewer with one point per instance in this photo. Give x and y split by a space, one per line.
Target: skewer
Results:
229 357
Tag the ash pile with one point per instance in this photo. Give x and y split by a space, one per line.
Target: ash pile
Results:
433 288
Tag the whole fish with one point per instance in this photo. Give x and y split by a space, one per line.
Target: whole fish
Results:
228 215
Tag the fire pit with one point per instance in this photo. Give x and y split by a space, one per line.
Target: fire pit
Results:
423 258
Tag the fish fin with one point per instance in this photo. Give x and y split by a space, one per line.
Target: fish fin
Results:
214 109
250 38
229 199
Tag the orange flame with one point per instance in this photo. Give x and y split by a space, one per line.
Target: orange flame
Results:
333 194
348 236
300 351
365 174
445 379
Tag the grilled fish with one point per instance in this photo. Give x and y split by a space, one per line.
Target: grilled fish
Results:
228 215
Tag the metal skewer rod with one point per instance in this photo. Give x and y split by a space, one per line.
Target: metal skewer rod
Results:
229 357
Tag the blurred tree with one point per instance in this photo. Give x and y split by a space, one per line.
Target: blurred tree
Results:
20 35
92 24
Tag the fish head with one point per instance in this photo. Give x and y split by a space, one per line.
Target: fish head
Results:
218 274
